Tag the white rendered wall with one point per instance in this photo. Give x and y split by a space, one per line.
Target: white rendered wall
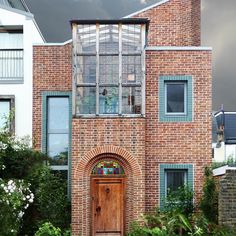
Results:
22 92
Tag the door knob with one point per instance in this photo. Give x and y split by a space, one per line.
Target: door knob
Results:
98 209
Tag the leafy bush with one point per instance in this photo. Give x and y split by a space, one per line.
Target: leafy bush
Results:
20 164
15 197
209 200
47 229
180 200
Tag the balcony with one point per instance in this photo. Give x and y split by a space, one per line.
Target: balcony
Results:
11 66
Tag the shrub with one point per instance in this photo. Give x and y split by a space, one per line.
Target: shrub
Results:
180 200
209 200
15 197
47 229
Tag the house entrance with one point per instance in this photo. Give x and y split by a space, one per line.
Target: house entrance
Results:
108 191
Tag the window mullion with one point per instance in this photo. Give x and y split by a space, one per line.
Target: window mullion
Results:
120 68
143 43
97 69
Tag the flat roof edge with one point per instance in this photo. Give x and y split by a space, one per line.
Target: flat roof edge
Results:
174 48
53 44
111 21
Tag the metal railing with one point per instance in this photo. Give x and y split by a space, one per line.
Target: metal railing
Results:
11 65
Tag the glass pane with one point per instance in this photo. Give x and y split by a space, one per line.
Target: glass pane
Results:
86 100
175 93
86 38
57 148
58 114
108 168
86 69
4 112
108 39
131 69
109 69
131 38
131 100
175 179
108 100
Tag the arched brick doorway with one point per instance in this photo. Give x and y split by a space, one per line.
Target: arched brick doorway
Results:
133 184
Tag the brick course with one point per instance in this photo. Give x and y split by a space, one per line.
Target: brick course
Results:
141 144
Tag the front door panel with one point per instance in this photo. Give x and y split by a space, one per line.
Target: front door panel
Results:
108 206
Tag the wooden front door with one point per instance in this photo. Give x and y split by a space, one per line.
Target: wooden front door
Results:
108 206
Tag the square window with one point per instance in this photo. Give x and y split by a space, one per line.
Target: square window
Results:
174 179
175 98
173 176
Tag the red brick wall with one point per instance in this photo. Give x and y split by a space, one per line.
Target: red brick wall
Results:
51 72
177 142
174 23
118 138
139 144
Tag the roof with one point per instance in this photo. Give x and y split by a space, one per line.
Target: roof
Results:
228 120
111 21
15 4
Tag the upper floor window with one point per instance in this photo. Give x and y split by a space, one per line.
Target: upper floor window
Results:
109 67
11 55
175 98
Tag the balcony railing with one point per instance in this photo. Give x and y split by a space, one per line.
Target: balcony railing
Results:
11 65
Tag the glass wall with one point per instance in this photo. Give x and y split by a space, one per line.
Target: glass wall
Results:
109 69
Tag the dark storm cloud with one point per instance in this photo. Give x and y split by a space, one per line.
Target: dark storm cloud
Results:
218 31
53 16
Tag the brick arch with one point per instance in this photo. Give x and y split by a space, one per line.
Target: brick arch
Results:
90 158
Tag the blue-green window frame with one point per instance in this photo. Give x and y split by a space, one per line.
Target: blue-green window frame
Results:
166 167
187 116
45 96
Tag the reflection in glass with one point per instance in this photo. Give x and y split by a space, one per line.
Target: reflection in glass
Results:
175 97
131 100
4 112
108 100
86 100
58 130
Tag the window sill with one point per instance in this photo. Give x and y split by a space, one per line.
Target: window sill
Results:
105 116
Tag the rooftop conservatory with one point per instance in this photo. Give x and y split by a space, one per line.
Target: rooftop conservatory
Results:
109 67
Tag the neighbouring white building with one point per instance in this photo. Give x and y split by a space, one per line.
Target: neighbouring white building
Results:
18 33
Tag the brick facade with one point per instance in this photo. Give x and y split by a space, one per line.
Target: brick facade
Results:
139 144
175 23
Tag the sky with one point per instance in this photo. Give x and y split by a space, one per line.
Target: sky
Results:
218 31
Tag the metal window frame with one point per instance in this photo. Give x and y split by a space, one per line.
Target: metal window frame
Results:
185 83
185 171
98 84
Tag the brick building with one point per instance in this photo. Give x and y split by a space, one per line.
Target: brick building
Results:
125 111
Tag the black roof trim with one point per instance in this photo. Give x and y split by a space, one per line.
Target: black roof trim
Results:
111 21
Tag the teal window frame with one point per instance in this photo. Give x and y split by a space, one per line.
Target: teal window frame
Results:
55 94
187 115
166 167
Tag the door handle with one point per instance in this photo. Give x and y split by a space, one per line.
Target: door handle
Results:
98 209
